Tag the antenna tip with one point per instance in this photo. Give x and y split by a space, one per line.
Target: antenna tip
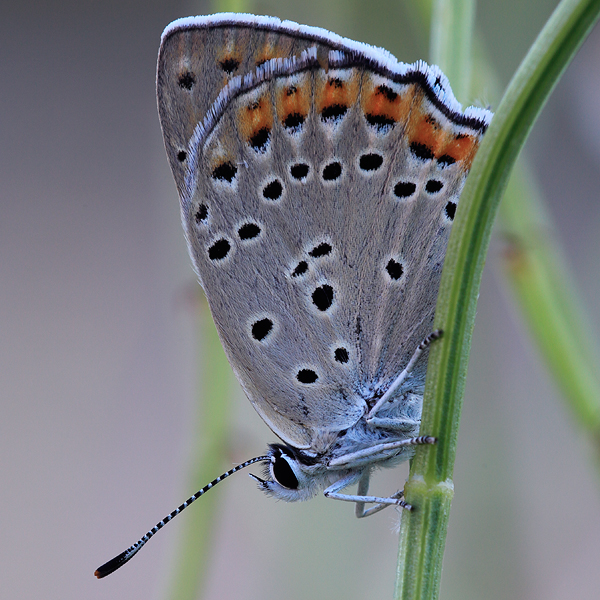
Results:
112 565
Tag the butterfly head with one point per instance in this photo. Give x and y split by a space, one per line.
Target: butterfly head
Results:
292 475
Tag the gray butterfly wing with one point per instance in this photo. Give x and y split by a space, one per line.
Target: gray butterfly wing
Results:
198 57
317 194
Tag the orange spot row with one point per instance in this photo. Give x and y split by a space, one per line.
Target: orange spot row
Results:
462 148
333 91
294 99
255 117
381 101
422 128
273 46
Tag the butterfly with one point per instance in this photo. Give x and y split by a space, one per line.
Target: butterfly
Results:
318 180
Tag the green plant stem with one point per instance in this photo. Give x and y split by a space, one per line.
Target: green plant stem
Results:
209 448
541 283
238 6
536 269
421 547
450 42
534 261
423 531
209 445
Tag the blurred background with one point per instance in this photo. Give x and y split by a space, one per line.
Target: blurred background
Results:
99 348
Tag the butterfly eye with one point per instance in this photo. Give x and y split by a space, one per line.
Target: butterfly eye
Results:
282 473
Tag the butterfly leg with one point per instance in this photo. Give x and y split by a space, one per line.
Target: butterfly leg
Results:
386 450
333 491
398 425
434 335
363 489
378 507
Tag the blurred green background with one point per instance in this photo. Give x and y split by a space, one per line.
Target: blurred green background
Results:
99 350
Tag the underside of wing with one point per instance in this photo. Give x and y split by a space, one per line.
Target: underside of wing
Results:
317 196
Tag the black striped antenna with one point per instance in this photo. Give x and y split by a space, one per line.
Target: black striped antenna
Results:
119 561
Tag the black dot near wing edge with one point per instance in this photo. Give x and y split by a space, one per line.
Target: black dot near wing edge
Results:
186 80
306 376
389 93
404 189
381 123
260 140
273 190
332 171
321 250
201 214
300 269
248 231
446 160
299 170
261 329
322 297
395 269
333 113
433 186
421 151
370 162
341 355
219 249
226 171
294 121
229 65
